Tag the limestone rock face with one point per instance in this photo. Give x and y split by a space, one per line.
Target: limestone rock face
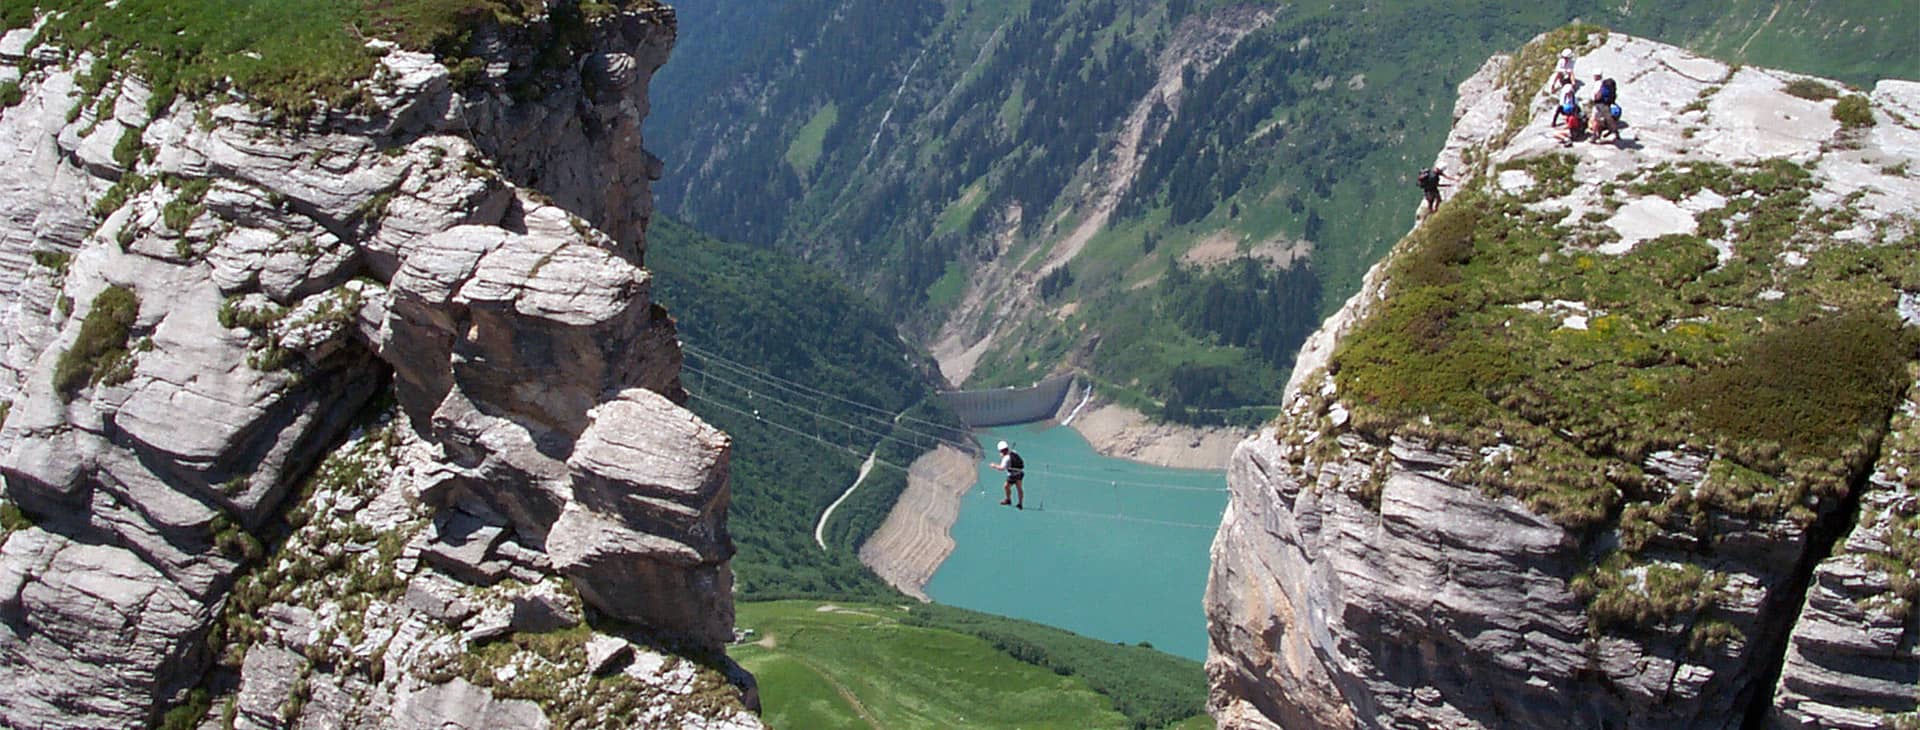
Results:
184 337
1855 651
1361 582
646 527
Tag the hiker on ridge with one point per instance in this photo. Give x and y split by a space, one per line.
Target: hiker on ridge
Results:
1563 73
1569 107
1429 180
1575 129
1016 469
1605 97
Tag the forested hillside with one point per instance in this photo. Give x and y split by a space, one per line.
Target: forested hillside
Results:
766 337
1022 178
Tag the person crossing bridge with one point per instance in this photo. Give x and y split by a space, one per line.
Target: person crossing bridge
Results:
1016 469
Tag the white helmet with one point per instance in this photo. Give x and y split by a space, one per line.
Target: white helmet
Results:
1566 53
1003 446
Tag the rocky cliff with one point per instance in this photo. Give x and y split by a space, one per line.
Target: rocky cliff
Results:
362 417
1622 436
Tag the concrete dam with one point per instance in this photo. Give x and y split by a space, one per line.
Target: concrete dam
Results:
1003 406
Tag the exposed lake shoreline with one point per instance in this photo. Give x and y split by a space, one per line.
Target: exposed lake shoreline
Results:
917 536
1124 433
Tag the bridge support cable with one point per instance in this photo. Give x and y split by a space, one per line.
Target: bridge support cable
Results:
908 471
799 388
736 392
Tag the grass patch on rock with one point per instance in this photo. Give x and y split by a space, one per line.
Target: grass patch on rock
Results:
1814 388
1759 350
1811 90
12 519
99 354
1853 111
285 55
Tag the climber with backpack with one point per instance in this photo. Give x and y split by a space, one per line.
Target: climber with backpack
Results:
1429 181
1016 469
1604 114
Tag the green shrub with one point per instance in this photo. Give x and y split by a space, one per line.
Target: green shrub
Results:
1416 355
10 94
232 540
1678 182
127 150
12 519
101 349
1853 112
1811 90
236 314
58 261
285 56
1440 246
1811 387
1622 592
188 714
180 213
123 189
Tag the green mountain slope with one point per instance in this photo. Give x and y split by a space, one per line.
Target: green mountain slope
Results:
862 665
742 311
946 155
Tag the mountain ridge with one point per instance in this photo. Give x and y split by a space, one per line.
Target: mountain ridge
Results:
358 409
1506 490
998 107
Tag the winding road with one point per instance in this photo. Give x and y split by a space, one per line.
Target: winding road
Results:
820 530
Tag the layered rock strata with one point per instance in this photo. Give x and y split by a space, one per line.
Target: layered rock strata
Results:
1361 581
1854 657
198 299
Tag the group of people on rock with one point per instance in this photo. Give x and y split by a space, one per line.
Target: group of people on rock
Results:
1599 121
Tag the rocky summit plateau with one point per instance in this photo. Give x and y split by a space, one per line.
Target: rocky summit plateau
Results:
359 415
1624 435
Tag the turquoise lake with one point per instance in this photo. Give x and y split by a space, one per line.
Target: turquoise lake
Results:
1107 548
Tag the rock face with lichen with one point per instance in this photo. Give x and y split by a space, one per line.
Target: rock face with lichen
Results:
200 303
1535 475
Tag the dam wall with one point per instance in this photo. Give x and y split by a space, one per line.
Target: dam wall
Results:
1002 406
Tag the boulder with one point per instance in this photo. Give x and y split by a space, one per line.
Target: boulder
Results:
68 610
545 607
646 527
438 598
268 675
604 653
459 705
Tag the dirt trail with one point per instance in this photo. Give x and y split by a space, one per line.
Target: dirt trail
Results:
916 538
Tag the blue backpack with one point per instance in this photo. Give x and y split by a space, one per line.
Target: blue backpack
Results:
1607 92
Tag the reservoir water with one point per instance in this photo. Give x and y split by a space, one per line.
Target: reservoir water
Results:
1107 548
